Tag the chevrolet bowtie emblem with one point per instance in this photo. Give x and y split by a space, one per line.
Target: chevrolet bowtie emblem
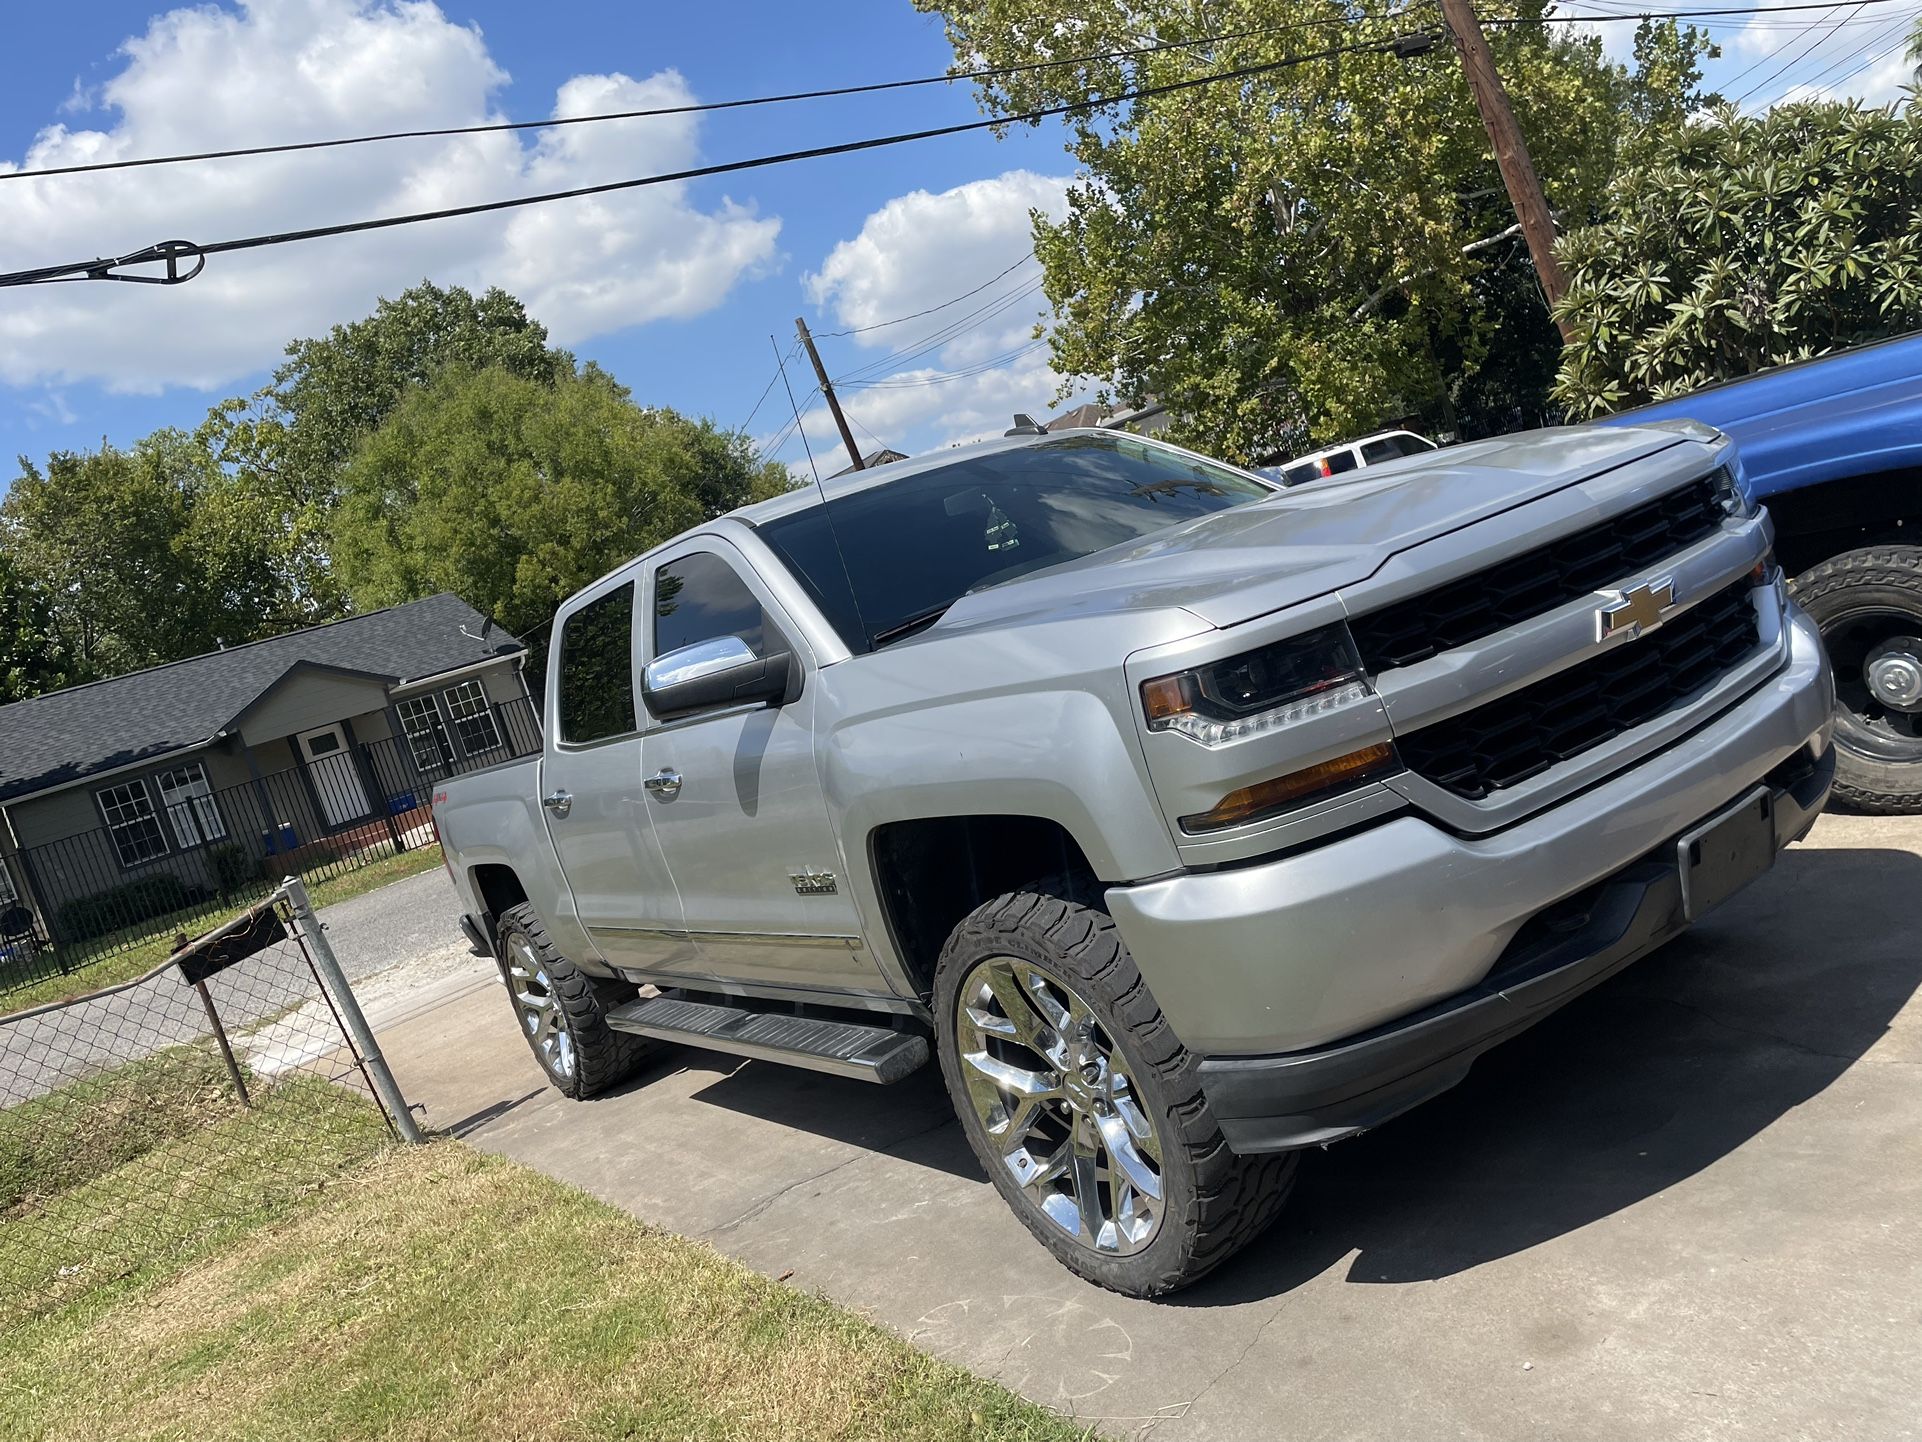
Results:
1638 610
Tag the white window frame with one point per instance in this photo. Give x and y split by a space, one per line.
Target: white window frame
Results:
434 738
9 893
127 814
195 814
467 704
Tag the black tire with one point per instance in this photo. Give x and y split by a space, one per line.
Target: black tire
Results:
578 1003
1860 599
1213 1202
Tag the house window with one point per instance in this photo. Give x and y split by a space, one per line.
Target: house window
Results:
9 898
473 717
420 719
131 822
190 805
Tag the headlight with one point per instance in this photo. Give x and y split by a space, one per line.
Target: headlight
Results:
1272 686
1729 493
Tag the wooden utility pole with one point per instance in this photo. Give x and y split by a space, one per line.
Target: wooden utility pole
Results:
827 390
1511 151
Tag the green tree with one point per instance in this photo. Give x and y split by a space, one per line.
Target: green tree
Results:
143 555
1296 256
31 660
1747 242
515 492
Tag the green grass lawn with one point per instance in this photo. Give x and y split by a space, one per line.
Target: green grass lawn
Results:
437 1292
155 941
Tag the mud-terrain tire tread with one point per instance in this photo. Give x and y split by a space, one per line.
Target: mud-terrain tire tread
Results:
1885 789
1061 921
603 1057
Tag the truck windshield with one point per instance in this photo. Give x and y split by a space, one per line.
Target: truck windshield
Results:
909 549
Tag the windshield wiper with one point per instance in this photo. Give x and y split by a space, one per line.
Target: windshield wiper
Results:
910 626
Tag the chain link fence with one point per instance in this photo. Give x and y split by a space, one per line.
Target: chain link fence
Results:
142 1123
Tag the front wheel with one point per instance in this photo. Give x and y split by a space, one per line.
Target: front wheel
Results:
1868 604
1082 1105
563 1011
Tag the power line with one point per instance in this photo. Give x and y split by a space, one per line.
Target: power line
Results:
102 267
940 337
767 390
884 324
1641 15
828 93
833 92
960 374
1816 43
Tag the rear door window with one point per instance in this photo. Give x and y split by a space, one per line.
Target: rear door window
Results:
596 688
1339 461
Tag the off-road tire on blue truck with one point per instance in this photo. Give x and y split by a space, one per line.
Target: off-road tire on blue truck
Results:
571 1020
1056 937
1866 601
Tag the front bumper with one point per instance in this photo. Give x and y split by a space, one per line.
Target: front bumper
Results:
1329 990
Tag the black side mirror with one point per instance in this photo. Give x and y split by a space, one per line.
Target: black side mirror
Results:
712 674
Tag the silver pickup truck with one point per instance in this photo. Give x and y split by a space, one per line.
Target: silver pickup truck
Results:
1189 822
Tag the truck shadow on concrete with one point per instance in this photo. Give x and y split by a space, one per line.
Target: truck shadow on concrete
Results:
1643 1082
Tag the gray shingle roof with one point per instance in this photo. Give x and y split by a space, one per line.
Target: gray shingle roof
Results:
68 734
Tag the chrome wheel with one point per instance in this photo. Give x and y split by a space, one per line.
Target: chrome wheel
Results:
1061 1113
538 1008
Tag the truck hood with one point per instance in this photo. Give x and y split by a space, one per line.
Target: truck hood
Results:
1237 564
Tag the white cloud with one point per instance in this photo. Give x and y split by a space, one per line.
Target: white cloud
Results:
948 376
283 70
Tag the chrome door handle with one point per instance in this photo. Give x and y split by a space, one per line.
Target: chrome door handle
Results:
664 784
558 802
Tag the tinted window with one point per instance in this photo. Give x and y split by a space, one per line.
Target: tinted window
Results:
910 548
597 668
1295 475
1390 448
699 597
1339 461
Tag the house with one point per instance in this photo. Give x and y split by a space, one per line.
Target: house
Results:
1148 419
886 456
180 782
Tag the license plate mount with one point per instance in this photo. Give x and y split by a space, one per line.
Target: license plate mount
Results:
1727 852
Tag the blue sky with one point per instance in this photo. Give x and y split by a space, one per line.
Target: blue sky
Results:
675 292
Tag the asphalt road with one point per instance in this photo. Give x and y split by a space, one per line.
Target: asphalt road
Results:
1689 1205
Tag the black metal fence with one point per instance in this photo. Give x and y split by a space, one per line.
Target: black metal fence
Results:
139 1123
100 893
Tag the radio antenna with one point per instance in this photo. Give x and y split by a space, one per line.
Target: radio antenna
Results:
834 532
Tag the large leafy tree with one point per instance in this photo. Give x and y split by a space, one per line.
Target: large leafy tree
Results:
515 492
1746 241
284 445
143 555
31 660
1302 253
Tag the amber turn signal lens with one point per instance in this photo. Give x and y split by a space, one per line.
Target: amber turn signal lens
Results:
1167 696
1264 798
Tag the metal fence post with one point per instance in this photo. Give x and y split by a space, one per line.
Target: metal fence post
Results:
335 980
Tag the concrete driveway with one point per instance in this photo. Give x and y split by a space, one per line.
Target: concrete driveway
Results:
1688 1205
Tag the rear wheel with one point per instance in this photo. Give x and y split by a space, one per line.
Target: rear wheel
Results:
563 1011
1869 605
1081 1104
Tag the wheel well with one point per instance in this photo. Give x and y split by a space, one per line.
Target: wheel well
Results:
498 887
932 872
1825 520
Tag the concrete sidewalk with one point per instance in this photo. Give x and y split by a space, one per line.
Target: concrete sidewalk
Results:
1689 1205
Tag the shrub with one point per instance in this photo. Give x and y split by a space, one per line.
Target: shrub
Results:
86 917
1745 242
234 868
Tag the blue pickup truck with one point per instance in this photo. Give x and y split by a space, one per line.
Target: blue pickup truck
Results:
1833 447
